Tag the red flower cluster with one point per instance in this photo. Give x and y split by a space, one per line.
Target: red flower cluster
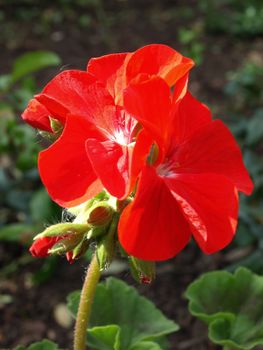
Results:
124 130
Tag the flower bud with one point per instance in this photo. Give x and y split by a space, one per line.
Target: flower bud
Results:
100 215
78 251
142 271
61 239
67 228
41 246
65 245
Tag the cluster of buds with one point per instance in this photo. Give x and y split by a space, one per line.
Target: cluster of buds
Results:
92 223
95 224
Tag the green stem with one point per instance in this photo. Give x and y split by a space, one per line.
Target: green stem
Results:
85 304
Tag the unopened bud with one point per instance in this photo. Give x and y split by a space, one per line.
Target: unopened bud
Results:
100 215
68 228
65 245
142 271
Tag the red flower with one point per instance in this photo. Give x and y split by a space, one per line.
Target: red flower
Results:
37 115
97 147
191 189
41 246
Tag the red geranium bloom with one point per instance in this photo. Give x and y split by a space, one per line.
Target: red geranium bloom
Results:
37 115
97 147
192 188
41 246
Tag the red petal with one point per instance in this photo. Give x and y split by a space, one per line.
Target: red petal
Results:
140 153
149 102
210 204
180 88
158 60
213 149
77 93
54 108
153 227
118 166
37 116
69 256
110 69
65 168
111 162
40 247
190 116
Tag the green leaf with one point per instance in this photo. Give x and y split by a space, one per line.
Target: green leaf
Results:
118 304
42 345
4 82
41 207
231 305
73 302
32 62
146 345
46 271
17 232
104 338
255 128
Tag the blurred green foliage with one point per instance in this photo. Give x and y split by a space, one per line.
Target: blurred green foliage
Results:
245 93
236 17
245 86
25 205
191 39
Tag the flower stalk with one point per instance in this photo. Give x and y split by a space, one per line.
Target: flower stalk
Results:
85 304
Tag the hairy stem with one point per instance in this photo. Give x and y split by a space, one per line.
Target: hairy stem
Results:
85 304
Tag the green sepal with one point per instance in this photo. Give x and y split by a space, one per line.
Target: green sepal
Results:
106 247
63 229
57 128
142 271
96 232
81 248
66 245
122 204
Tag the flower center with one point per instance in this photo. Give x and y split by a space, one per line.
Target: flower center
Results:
168 168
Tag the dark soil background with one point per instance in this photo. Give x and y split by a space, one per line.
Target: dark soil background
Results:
78 32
